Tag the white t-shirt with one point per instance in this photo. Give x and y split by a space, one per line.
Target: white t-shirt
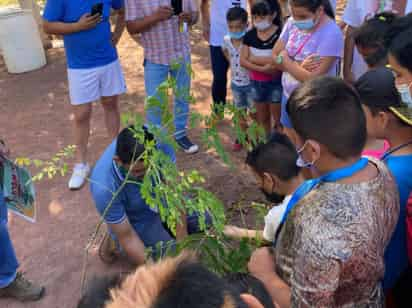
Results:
274 218
356 12
240 75
218 24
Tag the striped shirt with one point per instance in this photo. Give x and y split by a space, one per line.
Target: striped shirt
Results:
163 43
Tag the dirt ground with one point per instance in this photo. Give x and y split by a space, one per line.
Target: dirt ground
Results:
37 122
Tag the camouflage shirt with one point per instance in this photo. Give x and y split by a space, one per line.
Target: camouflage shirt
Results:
331 249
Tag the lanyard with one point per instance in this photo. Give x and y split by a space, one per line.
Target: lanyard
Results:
388 153
300 48
309 185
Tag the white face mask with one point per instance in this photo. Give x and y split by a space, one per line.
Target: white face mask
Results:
300 162
262 25
405 93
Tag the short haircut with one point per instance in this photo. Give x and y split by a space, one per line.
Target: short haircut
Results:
237 13
328 110
372 33
98 291
399 41
277 157
175 282
246 283
128 148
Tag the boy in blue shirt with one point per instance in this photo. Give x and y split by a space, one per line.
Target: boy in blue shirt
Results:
390 119
94 71
133 225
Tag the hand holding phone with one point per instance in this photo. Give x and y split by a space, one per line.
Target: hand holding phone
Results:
177 6
97 9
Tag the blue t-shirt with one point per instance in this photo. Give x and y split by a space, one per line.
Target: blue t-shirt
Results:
85 49
129 204
396 255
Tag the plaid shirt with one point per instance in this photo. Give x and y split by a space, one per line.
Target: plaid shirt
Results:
163 43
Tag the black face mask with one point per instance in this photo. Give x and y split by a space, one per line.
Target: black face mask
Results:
273 197
376 58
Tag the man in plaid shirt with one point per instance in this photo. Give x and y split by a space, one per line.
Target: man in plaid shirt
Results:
165 40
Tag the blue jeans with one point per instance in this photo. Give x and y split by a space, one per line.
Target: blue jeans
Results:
154 76
8 260
220 66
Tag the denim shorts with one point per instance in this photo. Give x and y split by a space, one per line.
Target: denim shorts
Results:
242 96
266 91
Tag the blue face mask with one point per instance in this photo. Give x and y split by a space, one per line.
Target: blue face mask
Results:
237 35
306 24
405 94
300 162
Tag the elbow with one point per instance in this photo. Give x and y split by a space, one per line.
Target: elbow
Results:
131 28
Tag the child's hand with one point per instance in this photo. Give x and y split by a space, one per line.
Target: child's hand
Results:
268 68
231 231
311 63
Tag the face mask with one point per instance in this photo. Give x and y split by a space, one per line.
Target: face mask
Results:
263 25
273 197
306 24
300 162
405 93
237 35
376 58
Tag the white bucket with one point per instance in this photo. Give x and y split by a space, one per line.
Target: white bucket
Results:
20 41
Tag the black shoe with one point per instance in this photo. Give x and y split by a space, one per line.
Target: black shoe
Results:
187 146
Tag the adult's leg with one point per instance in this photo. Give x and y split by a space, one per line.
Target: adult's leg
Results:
112 85
82 115
154 76
8 260
111 115
182 97
220 67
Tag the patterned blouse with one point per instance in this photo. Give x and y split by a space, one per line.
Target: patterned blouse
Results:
331 250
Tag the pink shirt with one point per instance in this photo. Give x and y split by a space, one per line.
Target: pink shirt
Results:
163 43
377 153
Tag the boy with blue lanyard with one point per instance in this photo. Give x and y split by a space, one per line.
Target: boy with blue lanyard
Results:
13 284
330 252
133 225
390 119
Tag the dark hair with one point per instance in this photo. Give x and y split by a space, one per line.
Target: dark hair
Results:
328 110
237 13
194 286
313 5
399 41
128 148
268 7
277 156
372 33
98 292
246 283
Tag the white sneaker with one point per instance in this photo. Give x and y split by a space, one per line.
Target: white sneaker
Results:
80 173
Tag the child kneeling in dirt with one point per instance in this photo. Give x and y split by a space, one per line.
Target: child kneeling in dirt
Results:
133 225
274 166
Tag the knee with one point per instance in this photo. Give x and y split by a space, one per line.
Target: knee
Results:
82 115
110 104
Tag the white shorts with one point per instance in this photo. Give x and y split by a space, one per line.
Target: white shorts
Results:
89 85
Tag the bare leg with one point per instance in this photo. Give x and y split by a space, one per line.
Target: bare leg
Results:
275 111
263 116
111 115
82 115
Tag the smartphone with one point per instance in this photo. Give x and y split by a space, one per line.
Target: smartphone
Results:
177 6
97 9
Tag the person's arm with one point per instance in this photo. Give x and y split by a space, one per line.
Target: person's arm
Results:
143 24
239 233
348 55
119 27
262 266
86 22
205 11
181 228
129 241
300 73
244 62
